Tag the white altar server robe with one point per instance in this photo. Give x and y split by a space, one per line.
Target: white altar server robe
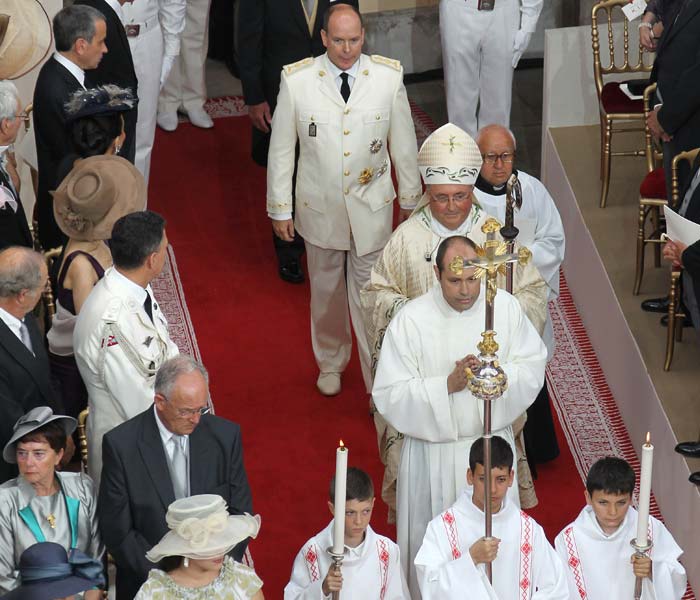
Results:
371 571
420 348
526 567
541 231
598 565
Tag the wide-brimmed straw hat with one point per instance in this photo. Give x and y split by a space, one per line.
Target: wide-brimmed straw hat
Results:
25 36
95 194
35 418
47 572
201 528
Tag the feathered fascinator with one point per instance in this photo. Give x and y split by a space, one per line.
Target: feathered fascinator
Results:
103 100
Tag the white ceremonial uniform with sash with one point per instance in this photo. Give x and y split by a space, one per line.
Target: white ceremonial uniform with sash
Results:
371 571
344 191
526 566
598 565
421 346
118 350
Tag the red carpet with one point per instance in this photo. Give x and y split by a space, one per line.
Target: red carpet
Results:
253 334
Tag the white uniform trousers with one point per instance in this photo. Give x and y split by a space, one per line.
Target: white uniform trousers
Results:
147 51
186 86
336 278
477 57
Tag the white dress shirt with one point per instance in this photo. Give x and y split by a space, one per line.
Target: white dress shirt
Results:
352 72
74 69
12 322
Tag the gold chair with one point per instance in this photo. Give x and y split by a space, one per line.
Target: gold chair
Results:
82 437
652 197
614 105
674 329
48 295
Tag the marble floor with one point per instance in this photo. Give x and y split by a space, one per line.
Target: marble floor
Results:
526 113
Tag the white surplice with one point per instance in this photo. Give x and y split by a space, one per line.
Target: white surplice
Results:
598 565
541 231
371 571
526 566
421 345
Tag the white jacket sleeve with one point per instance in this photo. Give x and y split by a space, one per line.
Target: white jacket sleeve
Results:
281 156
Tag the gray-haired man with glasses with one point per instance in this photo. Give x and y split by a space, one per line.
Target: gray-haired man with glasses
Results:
174 449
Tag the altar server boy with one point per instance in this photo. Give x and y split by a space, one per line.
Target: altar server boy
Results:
371 567
600 563
451 563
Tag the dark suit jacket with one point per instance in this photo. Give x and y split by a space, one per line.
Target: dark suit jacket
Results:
117 66
677 73
14 229
25 383
54 86
271 34
135 489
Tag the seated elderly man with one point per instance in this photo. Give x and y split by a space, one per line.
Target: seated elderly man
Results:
121 335
14 229
25 381
542 232
449 161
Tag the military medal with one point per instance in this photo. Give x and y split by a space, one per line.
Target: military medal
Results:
312 129
375 145
365 176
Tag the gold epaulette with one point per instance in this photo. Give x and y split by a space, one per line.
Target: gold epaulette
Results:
383 60
300 64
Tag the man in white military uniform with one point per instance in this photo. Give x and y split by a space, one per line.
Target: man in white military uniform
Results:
342 108
449 161
420 387
153 28
540 231
451 561
482 42
185 86
121 336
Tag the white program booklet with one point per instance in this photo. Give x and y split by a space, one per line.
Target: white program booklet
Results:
680 229
635 9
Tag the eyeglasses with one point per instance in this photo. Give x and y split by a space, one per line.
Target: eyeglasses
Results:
190 412
23 116
456 198
491 158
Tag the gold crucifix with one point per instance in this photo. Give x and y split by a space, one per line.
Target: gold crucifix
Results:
52 520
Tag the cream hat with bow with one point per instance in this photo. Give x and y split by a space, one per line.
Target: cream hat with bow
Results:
449 156
25 36
201 528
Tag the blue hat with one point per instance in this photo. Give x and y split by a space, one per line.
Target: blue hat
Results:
106 99
46 572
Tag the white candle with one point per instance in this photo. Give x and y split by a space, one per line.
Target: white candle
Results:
645 492
341 477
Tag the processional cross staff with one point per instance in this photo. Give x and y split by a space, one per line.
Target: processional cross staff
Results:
488 381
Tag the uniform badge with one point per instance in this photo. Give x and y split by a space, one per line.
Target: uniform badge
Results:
365 176
381 170
312 129
375 145
147 341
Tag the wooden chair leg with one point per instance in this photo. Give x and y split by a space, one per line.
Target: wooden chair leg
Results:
606 164
639 272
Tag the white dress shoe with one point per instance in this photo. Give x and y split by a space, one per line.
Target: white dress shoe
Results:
167 120
329 384
199 118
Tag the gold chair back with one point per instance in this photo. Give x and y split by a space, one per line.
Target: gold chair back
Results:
690 156
82 437
48 298
652 149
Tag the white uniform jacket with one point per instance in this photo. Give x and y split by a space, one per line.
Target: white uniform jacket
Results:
343 186
118 350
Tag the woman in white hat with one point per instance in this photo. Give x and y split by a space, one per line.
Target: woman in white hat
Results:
193 554
43 505
93 196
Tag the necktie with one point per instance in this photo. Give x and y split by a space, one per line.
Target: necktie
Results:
309 4
345 87
24 336
147 305
178 467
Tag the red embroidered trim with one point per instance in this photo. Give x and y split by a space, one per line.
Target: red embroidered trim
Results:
311 558
574 562
383 554
525 555
448 520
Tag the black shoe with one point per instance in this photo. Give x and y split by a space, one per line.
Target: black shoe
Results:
291 272
695 478
691 449
686 321
659 305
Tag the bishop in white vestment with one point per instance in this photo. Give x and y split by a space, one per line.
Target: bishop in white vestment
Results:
526 566
370 570
422 345
598 565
